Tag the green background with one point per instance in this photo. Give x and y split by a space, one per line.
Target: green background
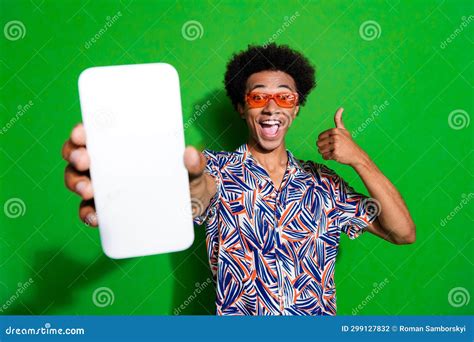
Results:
411 140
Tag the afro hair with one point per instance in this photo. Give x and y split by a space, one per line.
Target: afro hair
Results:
270 57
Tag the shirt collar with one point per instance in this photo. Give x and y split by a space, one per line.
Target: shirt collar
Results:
247 158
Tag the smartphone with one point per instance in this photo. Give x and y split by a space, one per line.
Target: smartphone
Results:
134 134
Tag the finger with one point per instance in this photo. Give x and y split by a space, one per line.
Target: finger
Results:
78 135
323 142
79 182
326 148
327 155
68 147
338 118
327 133
79 158
195 162
76 155
88 214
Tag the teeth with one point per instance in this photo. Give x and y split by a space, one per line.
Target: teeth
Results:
271 122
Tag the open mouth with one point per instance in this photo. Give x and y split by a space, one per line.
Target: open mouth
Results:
270 128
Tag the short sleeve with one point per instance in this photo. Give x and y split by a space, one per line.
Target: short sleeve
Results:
212 168
355 210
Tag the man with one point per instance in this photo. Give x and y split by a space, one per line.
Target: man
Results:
273 222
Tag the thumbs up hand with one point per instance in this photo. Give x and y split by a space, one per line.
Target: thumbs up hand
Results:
337 144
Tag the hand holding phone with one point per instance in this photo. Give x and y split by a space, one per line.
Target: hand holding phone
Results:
135 146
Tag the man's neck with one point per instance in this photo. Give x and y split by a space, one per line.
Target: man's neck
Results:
270 160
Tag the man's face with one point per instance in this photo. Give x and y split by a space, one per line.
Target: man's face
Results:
268 125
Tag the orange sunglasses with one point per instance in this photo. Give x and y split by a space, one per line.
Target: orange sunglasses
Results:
284 100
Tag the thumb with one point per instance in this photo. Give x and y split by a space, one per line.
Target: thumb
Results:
194 161
338 118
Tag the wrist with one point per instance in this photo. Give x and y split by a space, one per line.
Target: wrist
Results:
363 162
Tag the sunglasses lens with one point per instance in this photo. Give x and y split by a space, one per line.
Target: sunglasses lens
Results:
257 100
286 100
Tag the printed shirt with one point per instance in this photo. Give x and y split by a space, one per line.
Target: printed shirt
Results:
272 251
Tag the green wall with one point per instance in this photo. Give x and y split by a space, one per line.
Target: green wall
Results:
399 88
